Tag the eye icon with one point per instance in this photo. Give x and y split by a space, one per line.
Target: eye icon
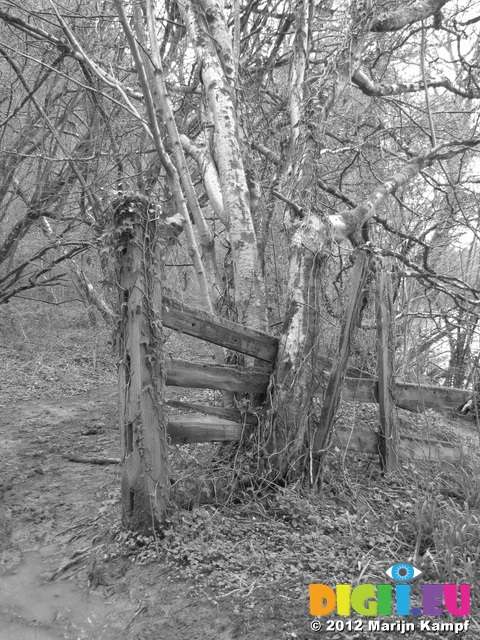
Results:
402 572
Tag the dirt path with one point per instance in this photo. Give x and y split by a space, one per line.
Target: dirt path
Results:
52 509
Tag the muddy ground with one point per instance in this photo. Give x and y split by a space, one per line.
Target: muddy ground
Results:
52 509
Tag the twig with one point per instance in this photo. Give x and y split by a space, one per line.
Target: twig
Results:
75 559
80 523
433 138
137 613
298 210
74 458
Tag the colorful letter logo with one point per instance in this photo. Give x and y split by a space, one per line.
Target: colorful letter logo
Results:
373 600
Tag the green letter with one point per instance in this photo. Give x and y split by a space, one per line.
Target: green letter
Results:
361 595
384 593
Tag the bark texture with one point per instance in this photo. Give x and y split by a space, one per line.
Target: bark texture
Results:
250 298
310 237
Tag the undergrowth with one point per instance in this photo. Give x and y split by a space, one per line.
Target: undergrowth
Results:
226 533
52 350
359 524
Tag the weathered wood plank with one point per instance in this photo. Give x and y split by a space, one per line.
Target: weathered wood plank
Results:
143 428
407 448
360 441
430 450
357 390
225 333
187 429
408 396
220 412
181 373
412 397
418 398
385 357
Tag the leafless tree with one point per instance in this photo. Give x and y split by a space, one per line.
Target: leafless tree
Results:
303 135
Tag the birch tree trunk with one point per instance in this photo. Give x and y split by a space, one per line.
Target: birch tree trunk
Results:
250 298
310 234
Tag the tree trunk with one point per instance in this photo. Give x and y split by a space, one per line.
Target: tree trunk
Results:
250 297
293 384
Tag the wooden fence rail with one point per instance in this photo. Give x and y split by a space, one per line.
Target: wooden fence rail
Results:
359 386
181 373
225 333
192 428
409 396
412 397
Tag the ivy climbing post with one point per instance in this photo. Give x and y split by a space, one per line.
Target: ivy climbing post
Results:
142 418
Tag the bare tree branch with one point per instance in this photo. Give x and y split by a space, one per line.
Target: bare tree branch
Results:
406 15
371 88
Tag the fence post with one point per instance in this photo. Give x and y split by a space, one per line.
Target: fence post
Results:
385 349
348 328
143 423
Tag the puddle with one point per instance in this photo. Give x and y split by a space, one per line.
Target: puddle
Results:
31 609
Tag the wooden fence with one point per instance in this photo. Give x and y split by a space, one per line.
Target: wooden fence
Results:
144 427
219 424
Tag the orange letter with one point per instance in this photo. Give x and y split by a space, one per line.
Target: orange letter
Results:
322 599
